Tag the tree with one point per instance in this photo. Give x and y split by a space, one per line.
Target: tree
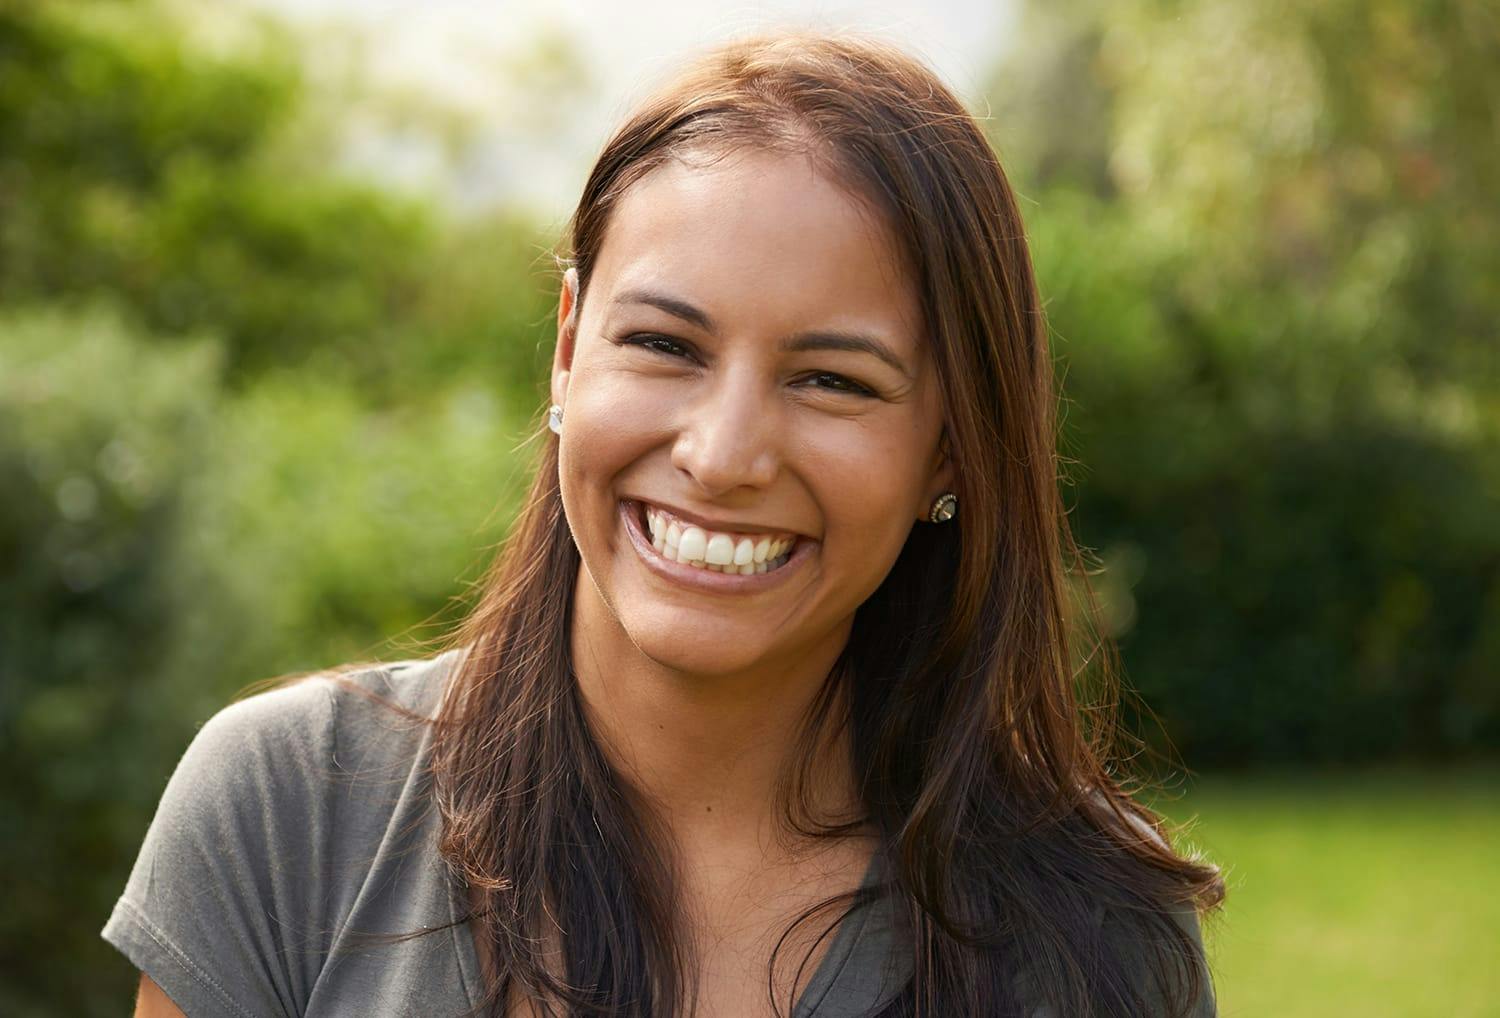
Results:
1272 263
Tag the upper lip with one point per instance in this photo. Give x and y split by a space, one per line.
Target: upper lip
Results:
708 523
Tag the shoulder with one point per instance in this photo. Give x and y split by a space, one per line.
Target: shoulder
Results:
267 772
1172 964
268 828
1170 969
318 725
1125 823
322 704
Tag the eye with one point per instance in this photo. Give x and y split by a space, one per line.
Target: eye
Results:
668 347
841 384
660 344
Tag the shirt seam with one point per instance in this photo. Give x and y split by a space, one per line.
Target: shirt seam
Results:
180 957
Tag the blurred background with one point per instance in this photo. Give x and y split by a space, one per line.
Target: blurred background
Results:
276 300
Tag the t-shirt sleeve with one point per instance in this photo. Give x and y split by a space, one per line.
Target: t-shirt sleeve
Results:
1203 1004
224 907
1169 986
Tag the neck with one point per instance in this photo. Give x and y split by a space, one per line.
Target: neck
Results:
708 752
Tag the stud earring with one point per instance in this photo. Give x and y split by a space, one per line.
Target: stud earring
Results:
944 508
554 419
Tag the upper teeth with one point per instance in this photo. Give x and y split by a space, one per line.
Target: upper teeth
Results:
715 550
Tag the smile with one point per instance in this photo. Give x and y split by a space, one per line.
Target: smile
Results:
709 559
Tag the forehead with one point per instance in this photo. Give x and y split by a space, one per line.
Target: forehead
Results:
762 236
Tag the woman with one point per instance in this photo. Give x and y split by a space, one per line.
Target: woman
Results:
767 706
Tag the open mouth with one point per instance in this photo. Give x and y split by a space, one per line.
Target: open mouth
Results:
683 544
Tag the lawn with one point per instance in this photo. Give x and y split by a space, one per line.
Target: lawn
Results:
1374 895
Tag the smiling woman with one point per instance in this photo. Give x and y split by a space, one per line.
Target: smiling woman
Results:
748 719
762 405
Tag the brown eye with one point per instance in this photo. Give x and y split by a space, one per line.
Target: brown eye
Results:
841 384
659 344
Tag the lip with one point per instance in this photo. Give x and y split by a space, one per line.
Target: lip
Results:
703 579
718 525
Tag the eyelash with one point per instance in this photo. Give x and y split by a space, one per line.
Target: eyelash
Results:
644 339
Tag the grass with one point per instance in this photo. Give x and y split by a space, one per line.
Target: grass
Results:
1373 894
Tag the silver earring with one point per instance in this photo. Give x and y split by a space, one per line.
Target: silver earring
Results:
554 419
944 508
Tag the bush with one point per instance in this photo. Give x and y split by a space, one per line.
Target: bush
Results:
99 430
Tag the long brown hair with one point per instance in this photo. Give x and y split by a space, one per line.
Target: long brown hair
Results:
1027 873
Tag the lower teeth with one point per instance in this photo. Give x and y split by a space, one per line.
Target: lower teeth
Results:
772 564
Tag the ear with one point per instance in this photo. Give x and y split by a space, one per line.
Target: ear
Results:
567 334
944 474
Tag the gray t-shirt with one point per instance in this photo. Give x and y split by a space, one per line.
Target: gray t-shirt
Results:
300 820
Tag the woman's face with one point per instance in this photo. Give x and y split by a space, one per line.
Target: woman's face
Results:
749 357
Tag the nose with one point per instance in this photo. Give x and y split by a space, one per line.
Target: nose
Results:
728 437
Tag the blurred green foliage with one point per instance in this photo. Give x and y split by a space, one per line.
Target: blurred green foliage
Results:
257 416
97 444
1269 241
179 183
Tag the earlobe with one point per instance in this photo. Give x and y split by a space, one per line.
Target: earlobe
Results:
942 481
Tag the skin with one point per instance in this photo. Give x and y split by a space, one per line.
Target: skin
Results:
151 1002
697 696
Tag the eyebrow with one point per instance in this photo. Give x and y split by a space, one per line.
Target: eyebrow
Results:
816 339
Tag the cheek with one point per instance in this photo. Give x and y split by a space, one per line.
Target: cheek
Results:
866 486
605 427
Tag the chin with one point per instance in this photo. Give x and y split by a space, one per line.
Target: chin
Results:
698 657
